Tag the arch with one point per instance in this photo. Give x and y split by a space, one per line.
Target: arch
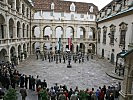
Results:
23 9
36 31
28 47
18 29
92 48
82 47
3 55
2 22
19 52
69 32
47 32
24 47
93 30
27 31
23 28
11 28
35 45
81 33
12 53
59 32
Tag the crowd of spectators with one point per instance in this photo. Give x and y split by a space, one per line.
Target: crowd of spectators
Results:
10 77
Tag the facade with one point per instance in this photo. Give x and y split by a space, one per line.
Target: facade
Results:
115 29
64 19
15 25
26 25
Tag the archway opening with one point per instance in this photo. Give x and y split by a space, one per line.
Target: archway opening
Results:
36 32
69 32
59 32
18 29
93 33
35 46
47 32
23 30
81 33
81 47
13 56
11 28
3 55
2 21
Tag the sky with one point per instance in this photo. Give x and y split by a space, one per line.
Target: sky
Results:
99 3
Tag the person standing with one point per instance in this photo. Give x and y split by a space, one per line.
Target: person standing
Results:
26 81
23 93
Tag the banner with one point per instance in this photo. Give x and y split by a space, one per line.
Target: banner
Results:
69 43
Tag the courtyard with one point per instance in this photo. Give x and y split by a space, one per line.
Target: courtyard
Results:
89 74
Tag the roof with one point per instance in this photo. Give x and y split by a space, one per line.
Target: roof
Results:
124 54
63 6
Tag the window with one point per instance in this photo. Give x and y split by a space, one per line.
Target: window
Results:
99 34
91 9
122 37
72 7
27 12
82 16
112 37
123 29
104 34
112 33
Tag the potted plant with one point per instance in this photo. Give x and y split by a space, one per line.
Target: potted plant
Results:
11 95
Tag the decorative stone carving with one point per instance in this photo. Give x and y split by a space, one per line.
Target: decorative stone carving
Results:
118 7
104 29
112 27
123 26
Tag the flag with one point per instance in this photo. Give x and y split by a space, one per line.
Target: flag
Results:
69 43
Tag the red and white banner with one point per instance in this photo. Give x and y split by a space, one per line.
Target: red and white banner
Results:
69 43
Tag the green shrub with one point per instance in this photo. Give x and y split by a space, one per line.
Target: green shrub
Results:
11 95
43 94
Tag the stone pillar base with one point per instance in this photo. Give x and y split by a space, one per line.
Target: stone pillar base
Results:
124 96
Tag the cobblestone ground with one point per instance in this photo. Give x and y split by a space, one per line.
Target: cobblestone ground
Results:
84 75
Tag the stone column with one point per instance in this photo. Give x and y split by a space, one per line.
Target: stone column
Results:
64 32
75 46
64 47
87 32
86 48
14 4
20 9
8 54
53 32
75 32
53 47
